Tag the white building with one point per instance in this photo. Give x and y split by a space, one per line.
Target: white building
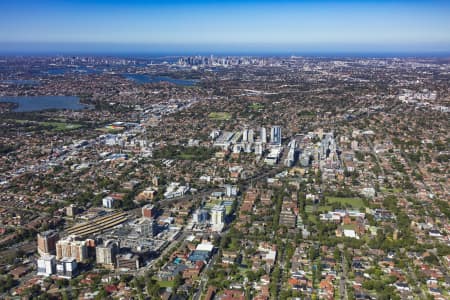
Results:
218 217
368 192
245 135
46 265
208 247
263 134
106 254
350 233
175 190
231 190
273 156
259 148
251 136
108 202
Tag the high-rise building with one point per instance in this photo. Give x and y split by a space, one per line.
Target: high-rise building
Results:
106 254
251 136
71 210
200 216
46 265
146 227
70 248
148 211
47 242
231 190
108 202
263 134
67 268
275 135
245 135
258 148
218 217
79 251
63 249
90 245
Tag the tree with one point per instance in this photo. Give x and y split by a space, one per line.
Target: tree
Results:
432 259
103 294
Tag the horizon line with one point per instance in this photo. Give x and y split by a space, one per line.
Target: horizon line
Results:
250 49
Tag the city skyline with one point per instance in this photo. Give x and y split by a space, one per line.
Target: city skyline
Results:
288 27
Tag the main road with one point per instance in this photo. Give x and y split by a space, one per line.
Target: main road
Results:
206 192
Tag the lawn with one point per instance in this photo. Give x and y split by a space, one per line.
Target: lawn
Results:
349 227
256 106
220 116
354 202
211 204
109 130
165 283
312 218
56 126
324 208
393 190
186 156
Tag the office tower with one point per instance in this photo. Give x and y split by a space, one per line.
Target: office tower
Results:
47 242
63 249
79 250
275 135
46 265
148 211
67 268
231 190
200 216
90 245
69 248
251 136
71 210
263 134
304 159
106 254
155 180
245 135
108 202
218 217
258 148
146 227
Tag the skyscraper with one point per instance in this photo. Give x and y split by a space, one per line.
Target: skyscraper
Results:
251 136
263 134
245 135
47 242
218 217
148 211
275 135
106 254
70 248
46 265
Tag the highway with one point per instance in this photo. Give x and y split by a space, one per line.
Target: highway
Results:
206 192
343 277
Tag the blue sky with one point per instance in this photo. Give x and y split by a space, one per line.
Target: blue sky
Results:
291 26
